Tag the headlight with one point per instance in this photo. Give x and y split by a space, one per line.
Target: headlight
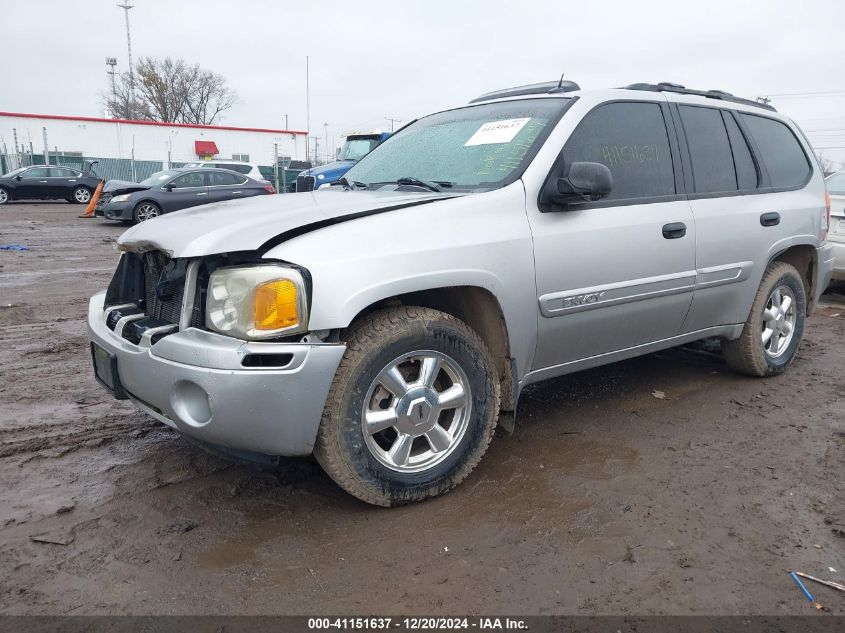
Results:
121 198
257 302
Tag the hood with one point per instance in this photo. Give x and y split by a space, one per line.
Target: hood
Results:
246 225
330 171
122 186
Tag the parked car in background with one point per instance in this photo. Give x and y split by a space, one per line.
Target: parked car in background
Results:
175 189
836 190
388 324
48 182
247 169
354 148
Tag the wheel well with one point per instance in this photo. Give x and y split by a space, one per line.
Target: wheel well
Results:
803 258
480 310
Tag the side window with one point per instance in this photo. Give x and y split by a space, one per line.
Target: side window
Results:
782 153
836 184
220 178
630 138
746 171
709 148
63 172
193 179
36 172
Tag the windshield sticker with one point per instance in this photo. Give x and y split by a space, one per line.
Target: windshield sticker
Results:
496 132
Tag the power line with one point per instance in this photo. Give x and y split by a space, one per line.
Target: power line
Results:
806 94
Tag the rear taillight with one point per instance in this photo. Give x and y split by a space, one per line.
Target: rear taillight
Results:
826 226
270 189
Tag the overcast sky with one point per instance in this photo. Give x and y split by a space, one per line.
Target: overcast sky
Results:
372 59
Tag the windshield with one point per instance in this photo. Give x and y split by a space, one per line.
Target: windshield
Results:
159 177
14 172
357 148
836 184
477 147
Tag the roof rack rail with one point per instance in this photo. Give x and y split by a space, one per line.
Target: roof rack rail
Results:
547 87
665 86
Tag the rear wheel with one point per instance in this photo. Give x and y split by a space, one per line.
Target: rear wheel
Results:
412 408
4 196
82 195
145 211
774 328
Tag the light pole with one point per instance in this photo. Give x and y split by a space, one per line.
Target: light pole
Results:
111 62
126 6
326 135
392 121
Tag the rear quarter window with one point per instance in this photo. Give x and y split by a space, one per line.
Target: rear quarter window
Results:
780 150
710 149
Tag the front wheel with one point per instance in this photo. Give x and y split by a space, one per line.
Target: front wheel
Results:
412 408
82 195
145 211
4 196
774 328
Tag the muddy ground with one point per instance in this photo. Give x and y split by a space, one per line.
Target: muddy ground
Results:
605 500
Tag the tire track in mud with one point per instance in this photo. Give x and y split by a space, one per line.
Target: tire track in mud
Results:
67 437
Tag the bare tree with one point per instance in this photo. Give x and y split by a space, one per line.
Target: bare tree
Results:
171 91
828 166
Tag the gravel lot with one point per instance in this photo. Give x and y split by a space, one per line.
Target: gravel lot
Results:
606 499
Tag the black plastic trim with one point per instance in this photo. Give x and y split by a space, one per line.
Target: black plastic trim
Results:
721 95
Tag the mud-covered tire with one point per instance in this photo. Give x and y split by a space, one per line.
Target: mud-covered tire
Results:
748 354
373 345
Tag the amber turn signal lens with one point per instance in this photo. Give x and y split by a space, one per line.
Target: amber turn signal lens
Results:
276 305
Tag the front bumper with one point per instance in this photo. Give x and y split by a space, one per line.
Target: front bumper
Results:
194 382
115 211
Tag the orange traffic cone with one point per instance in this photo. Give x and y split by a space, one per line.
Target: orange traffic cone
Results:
89 210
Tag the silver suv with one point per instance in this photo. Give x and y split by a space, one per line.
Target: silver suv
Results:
388 323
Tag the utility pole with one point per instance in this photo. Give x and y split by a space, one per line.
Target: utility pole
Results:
286 123
276 165
126 6
326 135
46 147
307 107
392 121
17 147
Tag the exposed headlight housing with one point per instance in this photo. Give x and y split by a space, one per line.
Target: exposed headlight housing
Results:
257 302
121 198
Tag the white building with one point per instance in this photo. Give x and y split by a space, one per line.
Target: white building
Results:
22 134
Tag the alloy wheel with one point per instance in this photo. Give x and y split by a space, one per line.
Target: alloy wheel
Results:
416 411
779 320
82 195
147 212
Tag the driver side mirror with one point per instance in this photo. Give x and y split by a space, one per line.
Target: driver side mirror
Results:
18 177
584 182
169 187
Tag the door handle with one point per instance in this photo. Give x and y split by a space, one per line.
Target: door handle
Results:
42 181
674 230
770 219
237 192
202 193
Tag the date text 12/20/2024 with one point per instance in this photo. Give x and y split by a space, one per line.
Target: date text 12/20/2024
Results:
417 624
